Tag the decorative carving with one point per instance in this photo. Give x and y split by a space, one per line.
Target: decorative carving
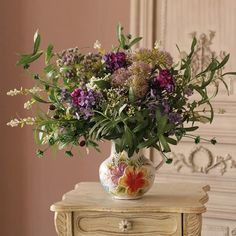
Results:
219 229
233 232
192 224
125 225
209 163
63 223
204 54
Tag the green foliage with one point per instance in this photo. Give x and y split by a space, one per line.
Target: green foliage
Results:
120 115
124 41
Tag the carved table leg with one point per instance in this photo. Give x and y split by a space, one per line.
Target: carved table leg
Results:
192 224
63 223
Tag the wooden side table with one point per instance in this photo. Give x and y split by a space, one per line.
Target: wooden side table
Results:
167 209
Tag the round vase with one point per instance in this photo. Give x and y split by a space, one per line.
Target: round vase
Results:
127 177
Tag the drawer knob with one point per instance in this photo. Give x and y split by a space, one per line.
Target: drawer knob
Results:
125 225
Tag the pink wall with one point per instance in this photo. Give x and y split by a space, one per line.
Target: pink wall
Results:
29 185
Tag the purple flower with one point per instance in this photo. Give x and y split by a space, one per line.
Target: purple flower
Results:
115 60
165 80
118 172
65 95
166 106
188 91
175 118
83 101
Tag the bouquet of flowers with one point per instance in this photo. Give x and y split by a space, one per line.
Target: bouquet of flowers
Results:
136 98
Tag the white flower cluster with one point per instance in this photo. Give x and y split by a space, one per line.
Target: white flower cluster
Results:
25 121
91 84
13 123
35 90
158 44
97 45
15 92
28 104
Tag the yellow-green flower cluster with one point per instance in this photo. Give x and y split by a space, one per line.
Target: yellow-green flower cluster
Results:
155 57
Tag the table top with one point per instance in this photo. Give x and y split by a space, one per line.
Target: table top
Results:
178 198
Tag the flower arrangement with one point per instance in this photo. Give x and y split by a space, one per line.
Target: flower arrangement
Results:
136 98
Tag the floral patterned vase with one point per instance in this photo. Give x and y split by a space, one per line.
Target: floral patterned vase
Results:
127 177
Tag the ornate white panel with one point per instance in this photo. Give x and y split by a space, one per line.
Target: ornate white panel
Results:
213 23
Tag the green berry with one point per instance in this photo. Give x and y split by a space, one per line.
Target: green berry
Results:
169 161
197 139
39 153
69 153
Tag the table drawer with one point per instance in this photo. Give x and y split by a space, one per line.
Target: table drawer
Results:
138 224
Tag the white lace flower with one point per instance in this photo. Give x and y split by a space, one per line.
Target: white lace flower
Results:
15 92
28 121
157 44
91 84
13 123
28 104
35 90
97 45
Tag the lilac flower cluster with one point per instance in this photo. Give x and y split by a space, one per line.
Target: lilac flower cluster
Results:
69 57
84 101
175 118
115 60
165 80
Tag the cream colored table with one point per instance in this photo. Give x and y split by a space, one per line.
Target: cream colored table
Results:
167 209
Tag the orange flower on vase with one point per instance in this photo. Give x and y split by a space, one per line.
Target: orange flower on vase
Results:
134 179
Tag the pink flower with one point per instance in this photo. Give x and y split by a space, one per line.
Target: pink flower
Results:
165 80
118 172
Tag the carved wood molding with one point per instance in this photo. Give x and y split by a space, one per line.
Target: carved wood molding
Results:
63 223
192 224
233 232
224 230
211 161
143 19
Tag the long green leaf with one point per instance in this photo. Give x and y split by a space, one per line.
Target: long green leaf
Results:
134 41
37 40
49 54
164 144
24 60
224 61
171 140
38 99
194 42
229 73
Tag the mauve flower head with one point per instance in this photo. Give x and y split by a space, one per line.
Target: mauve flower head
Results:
141 69
120 77
115 60
164 58
165 80
84 100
